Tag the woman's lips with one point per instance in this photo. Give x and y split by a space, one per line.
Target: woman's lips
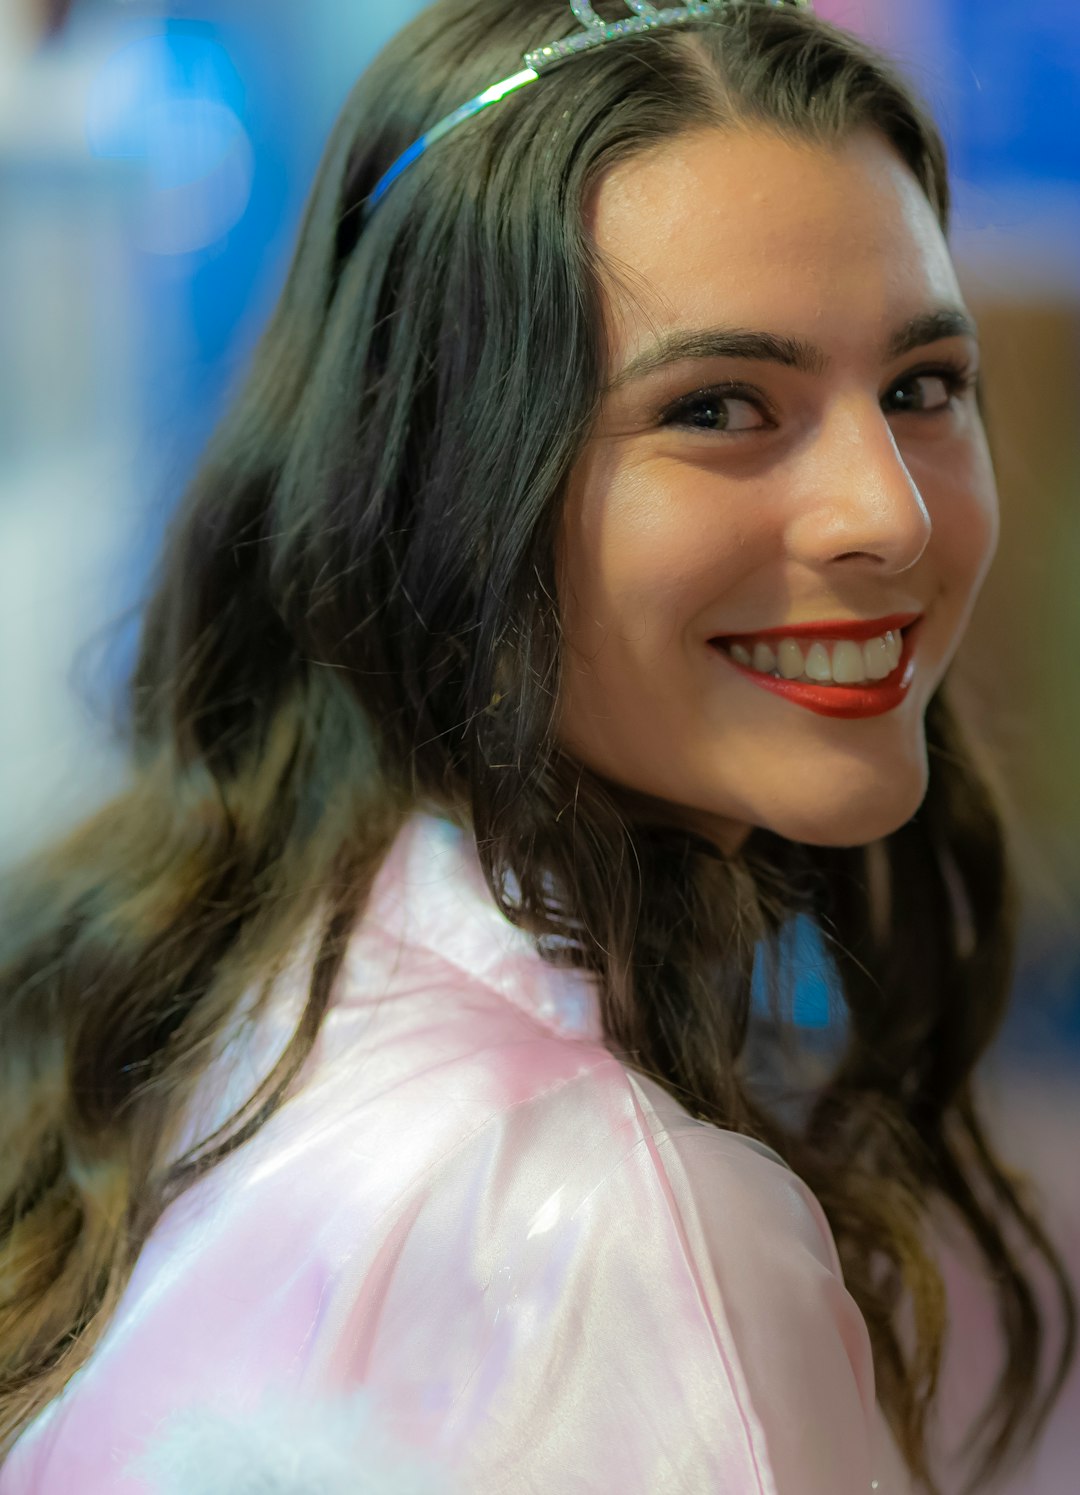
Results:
874 698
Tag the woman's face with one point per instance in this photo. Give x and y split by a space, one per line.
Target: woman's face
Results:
782 443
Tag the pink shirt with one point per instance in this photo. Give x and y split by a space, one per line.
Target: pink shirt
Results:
499 1251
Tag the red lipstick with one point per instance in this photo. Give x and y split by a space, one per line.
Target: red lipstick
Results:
848 701
852 628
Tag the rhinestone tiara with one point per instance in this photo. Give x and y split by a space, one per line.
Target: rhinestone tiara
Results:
646 17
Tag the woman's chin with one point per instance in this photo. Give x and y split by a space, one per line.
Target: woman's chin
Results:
851 820
856 806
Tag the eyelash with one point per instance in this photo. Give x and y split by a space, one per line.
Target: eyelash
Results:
956 374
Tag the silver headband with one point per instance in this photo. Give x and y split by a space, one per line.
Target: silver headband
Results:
596 33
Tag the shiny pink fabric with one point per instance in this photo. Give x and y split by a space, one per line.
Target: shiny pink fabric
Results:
543 1271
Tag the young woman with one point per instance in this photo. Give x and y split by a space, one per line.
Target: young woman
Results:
562 611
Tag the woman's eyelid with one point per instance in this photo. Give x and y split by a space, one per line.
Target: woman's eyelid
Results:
958 352
953 365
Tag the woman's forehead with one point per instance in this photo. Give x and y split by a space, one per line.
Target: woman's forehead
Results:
749 228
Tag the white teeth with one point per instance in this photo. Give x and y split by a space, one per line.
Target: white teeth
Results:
790 659
849 663
878 658
764 659
818 666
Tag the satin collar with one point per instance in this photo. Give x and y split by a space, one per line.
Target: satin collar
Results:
431 894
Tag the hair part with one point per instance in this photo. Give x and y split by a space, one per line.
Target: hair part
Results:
356 615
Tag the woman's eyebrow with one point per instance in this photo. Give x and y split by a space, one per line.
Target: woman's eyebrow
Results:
677 345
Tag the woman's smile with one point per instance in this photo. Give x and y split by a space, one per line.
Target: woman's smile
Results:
844 677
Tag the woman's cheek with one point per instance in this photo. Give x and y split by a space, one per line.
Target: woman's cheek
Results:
960 491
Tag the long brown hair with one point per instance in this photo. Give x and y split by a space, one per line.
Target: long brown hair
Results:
356 615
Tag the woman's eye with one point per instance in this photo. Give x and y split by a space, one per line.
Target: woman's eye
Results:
716 410
931 391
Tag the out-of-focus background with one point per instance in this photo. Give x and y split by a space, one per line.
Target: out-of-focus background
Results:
154 160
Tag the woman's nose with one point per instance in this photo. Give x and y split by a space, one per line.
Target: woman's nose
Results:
860 504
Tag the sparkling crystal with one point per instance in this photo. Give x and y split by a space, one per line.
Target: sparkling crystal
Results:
585 13
646 18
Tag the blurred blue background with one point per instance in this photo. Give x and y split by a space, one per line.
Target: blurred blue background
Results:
154 162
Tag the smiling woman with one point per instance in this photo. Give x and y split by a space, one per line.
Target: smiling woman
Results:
562 616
